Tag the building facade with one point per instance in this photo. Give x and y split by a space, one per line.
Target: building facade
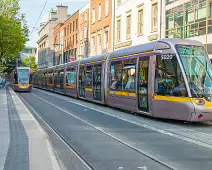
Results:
58 44
101 27
84 27
137 22
190 19
70 32
28 52
45 43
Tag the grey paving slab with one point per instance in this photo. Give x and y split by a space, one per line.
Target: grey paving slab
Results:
176 152
4 128
101 151
28 147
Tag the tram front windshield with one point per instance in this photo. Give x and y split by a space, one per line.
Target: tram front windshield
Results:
198 70
23 76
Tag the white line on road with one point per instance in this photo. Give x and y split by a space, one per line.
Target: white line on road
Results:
112 136
139 124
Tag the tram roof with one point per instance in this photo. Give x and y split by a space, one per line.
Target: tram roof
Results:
23 68
93 59
156 45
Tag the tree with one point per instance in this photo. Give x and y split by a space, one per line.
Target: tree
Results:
13 32
31 62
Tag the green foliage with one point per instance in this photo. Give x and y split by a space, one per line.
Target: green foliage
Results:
31 62
13 32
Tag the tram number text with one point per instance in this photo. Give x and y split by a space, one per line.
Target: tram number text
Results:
166 57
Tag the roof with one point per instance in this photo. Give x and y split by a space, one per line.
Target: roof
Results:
156 45
93 59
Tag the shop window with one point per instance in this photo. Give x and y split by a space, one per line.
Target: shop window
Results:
169 78
123 74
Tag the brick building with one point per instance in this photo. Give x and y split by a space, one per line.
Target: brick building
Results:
101 29
71 37
84 45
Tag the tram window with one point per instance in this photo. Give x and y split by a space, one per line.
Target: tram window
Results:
169 78
123 74
89 76
61 78
71 77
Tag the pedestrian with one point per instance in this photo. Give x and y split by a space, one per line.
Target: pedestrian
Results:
3 83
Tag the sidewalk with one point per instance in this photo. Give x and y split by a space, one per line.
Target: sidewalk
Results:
23 143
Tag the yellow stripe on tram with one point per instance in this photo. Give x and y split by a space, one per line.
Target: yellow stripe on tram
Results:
173 99
88 89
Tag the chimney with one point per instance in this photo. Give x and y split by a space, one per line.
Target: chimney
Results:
62 12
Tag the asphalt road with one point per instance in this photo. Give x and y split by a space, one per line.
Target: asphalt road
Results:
107 142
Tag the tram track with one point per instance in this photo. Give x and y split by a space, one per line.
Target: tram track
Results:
43 119
123 140
166 166
176 129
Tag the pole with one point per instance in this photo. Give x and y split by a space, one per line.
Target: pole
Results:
161 18
206 32
114 4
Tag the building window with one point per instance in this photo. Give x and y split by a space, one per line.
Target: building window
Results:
73 39
118 2
118 31
128 28
106 7
93 44
140 21
187 20
70 42
106 39
85 16
76 24
73 25
81 34
154 17
94 16
76 39
100 43
85 32
65 32
100 12
68 30
70 27
82 18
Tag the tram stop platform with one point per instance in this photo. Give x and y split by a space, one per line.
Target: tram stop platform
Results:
23 143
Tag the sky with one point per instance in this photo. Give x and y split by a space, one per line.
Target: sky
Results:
33 8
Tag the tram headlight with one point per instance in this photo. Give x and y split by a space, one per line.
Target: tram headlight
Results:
199 101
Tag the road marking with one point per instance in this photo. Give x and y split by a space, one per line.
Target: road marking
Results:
112 136
120 167
140 124
143 168
74 152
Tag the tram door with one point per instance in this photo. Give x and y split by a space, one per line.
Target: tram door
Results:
97 79
143 102
82 77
